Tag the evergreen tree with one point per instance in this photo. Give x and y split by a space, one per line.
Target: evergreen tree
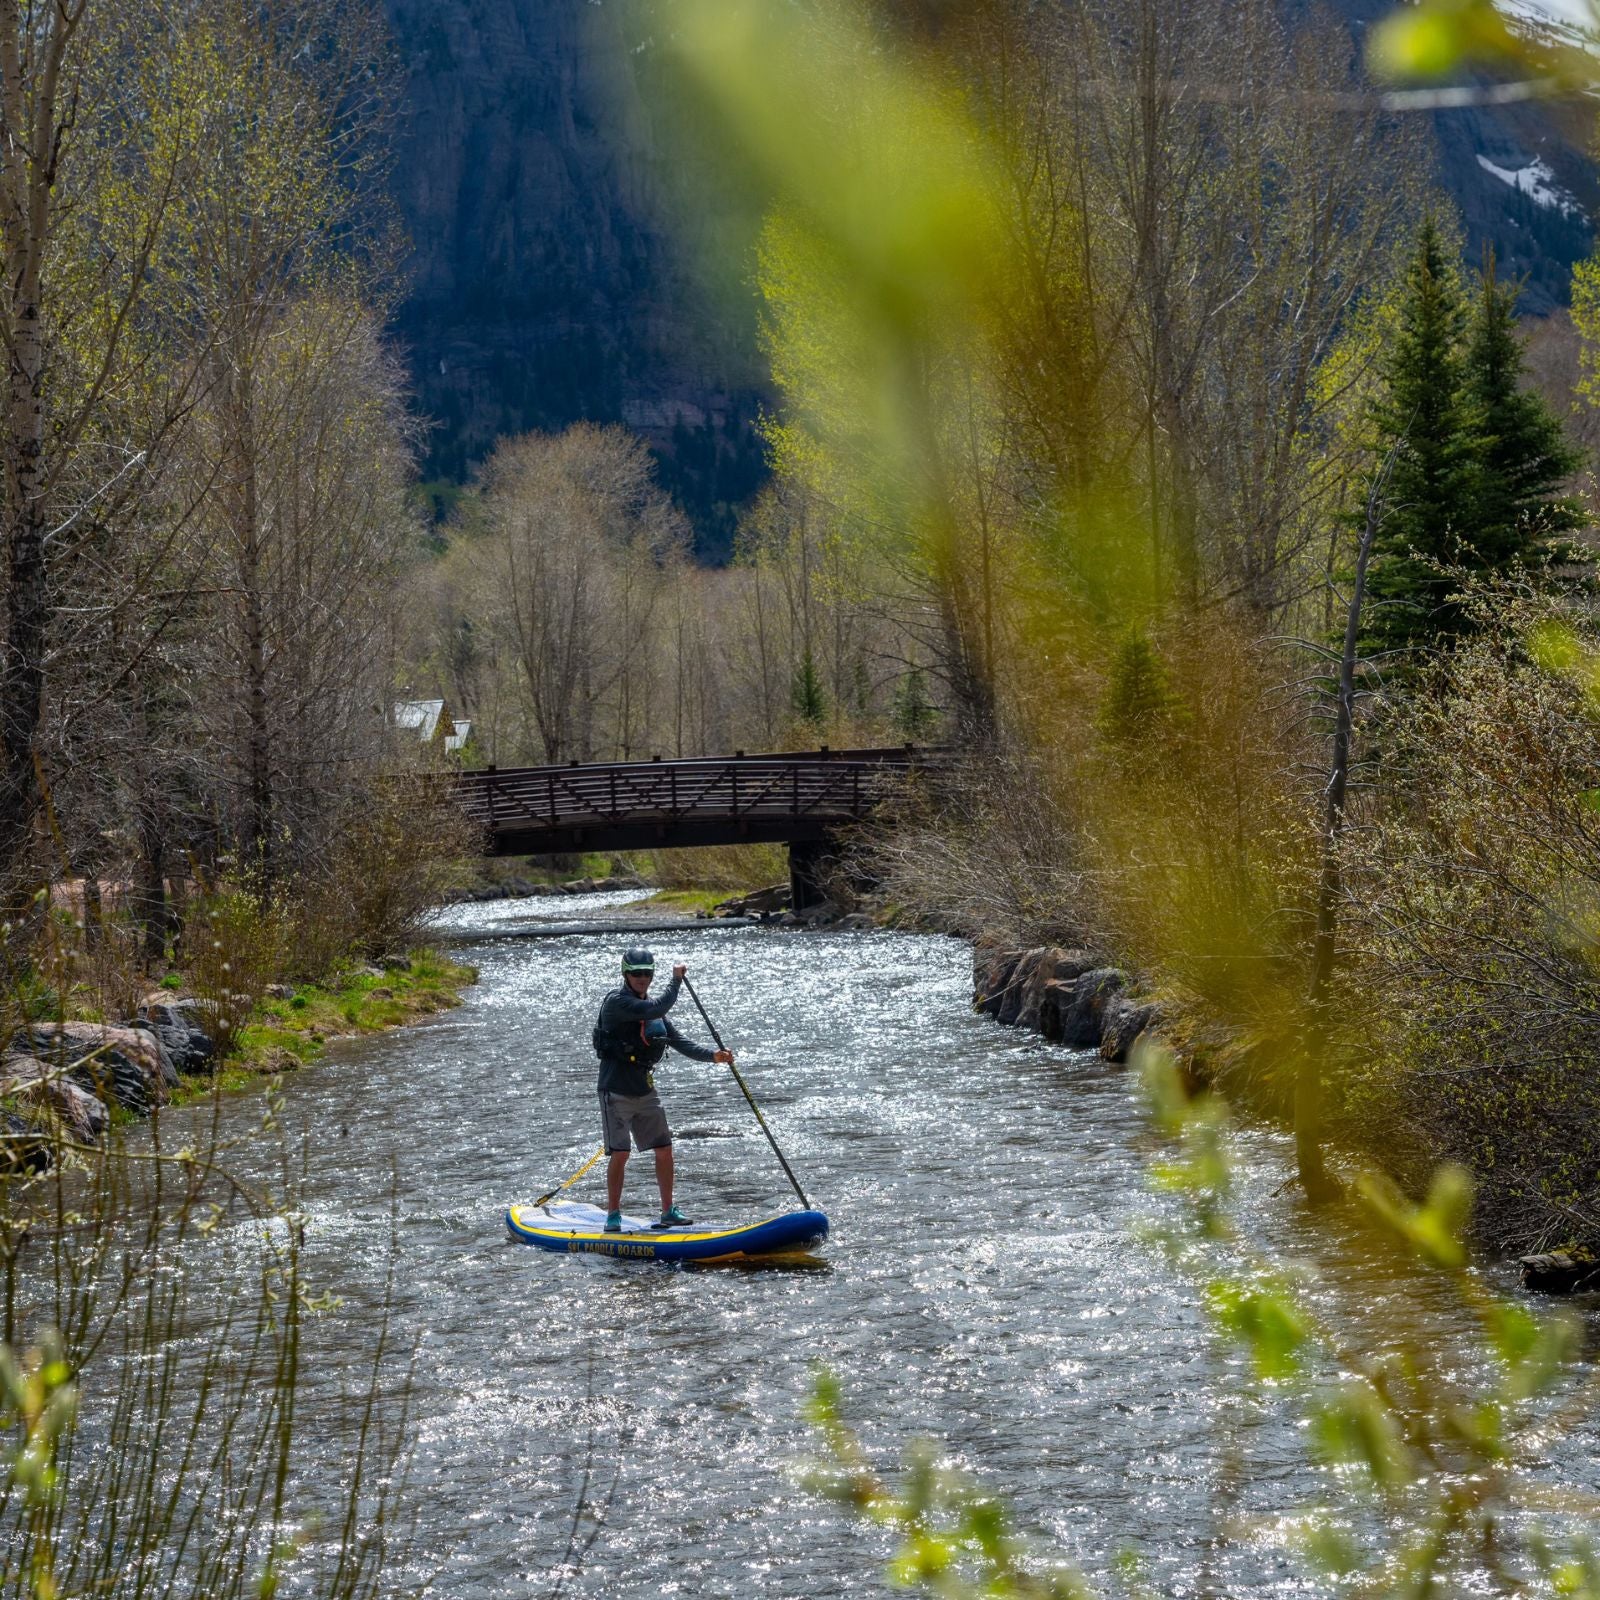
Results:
1430 504
806 694
914 713
1140 703
1523 453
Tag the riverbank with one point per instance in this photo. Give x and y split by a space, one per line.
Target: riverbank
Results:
72 1077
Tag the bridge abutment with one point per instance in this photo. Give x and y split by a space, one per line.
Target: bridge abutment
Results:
810 861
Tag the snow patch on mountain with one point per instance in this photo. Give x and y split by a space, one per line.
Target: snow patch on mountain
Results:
1537 181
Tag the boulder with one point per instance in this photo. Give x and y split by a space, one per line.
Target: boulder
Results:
276 1060
178 1025
129 1064
1560 1272
1123 1022
991 976
1022 980
773 898
22 1148
856 922
33 1082
396 963
1034 973
1073 1009
823 914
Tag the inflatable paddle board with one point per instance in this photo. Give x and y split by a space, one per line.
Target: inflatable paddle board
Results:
573 1228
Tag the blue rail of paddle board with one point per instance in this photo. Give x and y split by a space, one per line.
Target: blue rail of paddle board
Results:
794 1231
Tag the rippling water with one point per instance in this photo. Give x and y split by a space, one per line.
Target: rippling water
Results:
982 1283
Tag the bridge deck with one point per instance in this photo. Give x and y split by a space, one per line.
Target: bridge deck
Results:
767 799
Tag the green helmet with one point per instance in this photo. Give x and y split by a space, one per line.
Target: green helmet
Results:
638 961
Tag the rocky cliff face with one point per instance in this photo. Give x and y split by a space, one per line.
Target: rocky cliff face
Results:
546 281
549 281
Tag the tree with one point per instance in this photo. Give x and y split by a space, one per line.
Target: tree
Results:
1524 456
1425 406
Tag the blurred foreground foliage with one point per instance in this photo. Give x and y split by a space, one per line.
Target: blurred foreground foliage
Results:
1124 502
1429 1464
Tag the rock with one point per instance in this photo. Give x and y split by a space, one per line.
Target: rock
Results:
1122 1023
1073 1009
578 886
130 1064
775 897
276 1060
22 1148
278 991
380 993
821 915
991 977
178 1026
34 1082
1017 985
1559 1272
395 964
856 922
1034 972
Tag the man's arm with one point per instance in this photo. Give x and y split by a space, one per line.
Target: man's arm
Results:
695 1052
687 1047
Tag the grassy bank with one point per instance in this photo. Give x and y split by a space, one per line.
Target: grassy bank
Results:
287 1031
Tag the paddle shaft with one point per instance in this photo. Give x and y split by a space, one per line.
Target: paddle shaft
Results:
738 1078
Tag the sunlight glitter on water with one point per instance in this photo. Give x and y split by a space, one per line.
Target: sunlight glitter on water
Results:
982 1285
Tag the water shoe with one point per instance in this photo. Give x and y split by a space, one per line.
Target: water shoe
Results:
672 1218
613 1222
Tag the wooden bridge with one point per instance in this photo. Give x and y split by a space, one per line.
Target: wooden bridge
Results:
801 799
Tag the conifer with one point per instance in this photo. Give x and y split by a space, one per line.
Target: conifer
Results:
1430 517
1523 454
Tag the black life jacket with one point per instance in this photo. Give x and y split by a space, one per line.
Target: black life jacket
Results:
630 1042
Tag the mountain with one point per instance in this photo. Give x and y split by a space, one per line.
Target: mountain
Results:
550 281
546 282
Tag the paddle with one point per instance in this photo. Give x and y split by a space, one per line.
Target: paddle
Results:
738 1079
573 1179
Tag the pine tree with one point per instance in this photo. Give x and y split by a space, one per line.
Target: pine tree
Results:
1430 517
1140 703
806 694
1523 453
914 713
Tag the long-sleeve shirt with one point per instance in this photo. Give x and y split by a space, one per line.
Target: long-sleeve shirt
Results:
628 1054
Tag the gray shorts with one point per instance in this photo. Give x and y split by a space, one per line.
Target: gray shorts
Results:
641 1115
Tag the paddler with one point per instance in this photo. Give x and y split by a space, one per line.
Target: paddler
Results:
630 1038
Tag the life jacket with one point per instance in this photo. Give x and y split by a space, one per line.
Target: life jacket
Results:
630 1042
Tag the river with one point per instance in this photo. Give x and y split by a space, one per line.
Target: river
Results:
983 1283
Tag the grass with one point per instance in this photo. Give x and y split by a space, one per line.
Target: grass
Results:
350 1003
685 900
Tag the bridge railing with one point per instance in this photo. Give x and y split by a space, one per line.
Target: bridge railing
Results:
825 785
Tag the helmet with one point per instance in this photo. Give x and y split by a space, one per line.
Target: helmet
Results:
638 961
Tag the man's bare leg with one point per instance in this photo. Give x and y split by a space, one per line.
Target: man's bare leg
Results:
614 1170
664 1176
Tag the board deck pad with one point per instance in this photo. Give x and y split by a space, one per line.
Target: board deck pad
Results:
576 1228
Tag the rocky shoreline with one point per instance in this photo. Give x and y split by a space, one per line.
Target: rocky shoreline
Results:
65 1082
61 1079
1069 996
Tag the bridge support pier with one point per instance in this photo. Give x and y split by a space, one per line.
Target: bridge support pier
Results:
809 863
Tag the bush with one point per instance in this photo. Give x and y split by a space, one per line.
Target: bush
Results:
1478 890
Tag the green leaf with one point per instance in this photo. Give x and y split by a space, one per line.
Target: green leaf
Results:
1355 1428
1437 38
1265 1322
